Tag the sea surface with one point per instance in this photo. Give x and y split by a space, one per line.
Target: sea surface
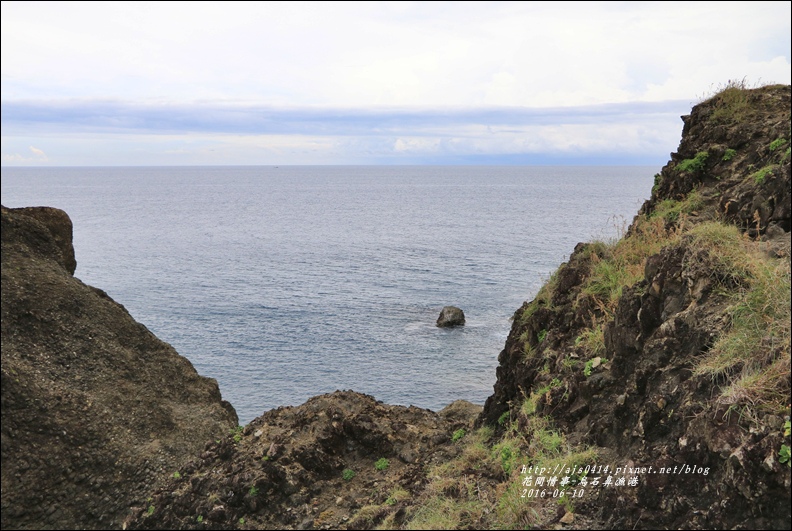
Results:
287 282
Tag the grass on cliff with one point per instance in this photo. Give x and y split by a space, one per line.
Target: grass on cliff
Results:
620 265
543 298
695 164
483 487
731 100
752 359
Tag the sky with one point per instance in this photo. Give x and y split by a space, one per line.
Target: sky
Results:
279 83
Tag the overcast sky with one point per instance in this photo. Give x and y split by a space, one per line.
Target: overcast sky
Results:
371 83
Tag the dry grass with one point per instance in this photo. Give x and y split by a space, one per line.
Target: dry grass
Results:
752 359
621 266
482 487
731 100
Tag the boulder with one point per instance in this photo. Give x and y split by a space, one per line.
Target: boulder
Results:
451 316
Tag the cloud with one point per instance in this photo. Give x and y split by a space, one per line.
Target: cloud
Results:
38 154
212 131
356 82
535 54
119 117
15 158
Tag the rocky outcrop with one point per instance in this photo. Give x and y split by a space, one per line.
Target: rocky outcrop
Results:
733 152
95 409
333 462
619 363
451 316
59 226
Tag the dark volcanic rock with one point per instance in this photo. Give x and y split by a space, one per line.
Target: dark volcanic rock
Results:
95 409
59 226
451 316
646 405
324 471
743 178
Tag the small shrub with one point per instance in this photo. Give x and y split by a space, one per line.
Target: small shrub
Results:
729 154
241 521
458 435
777 143
348 474
237 433
695 164
176 475
759 176
528 350
150 510
529 405
504 418
672 210
549 440
785 455
592 363
381 464
507 452
253 491
199 519
541 335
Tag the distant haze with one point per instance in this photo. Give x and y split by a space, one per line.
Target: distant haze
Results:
371 83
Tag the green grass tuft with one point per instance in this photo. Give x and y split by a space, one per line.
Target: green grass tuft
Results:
658 181
760 175
695 164
777 143
752 358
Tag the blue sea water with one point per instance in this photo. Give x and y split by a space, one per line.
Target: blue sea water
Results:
287 282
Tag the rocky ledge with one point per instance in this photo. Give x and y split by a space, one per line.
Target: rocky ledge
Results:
95 409
332 462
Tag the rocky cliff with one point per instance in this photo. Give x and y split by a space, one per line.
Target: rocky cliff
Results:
95 409
671 347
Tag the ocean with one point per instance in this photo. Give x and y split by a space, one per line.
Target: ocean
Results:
287 282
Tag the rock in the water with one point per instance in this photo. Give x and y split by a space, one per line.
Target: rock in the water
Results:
451 316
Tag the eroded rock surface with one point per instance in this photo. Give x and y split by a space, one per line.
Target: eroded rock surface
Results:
95 409
332 462
451 316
